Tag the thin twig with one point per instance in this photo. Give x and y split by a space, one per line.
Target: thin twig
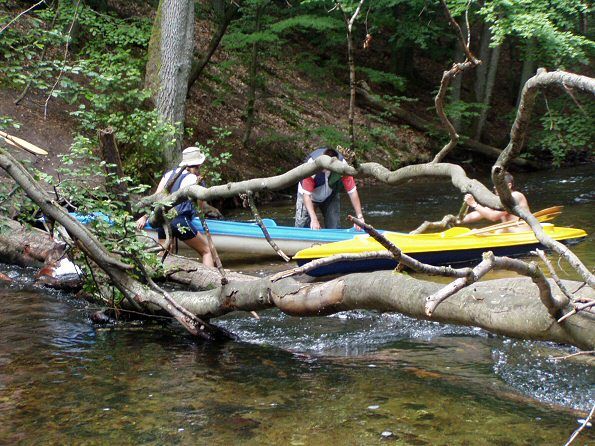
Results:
559 358
577 309
22 13
406 260
214 253
582 426
318 263
250 199
66 49
549 265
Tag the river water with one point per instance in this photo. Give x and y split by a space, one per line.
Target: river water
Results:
355 378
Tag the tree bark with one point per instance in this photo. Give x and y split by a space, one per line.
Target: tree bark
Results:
489 88
484 56
22 246
168 70
113 166
508 307
528 69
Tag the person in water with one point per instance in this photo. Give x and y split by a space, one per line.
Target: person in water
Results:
322 191
182 225
479 212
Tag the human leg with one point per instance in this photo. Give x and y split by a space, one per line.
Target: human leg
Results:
302 218
331 210
184 228
201 245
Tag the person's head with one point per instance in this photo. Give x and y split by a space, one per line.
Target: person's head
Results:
331 152
192 158
509 182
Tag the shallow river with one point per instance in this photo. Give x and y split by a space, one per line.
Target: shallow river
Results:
356 378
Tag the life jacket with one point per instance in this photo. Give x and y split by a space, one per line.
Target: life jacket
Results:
334 179
186 207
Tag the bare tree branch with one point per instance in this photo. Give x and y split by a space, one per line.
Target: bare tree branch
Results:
250 200
20 15
582 426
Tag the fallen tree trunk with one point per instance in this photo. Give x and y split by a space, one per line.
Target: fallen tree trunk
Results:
28 247
32 247
508 307
367 99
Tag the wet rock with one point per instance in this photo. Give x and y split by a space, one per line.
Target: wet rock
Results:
100 317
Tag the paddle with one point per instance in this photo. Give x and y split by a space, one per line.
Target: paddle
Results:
22 144
542 216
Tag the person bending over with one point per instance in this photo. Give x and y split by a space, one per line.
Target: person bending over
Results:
182 225
322 191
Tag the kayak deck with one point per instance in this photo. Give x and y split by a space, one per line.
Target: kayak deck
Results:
452 247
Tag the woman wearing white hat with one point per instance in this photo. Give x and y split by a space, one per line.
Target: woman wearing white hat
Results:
182 225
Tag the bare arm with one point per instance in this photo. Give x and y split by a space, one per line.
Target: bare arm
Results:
142 220
481 211
357 206
314 223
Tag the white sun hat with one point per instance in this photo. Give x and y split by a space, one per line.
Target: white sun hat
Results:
192 156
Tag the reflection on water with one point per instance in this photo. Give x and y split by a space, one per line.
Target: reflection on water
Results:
345 379
353 378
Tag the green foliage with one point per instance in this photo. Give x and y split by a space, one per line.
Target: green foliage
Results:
217 156
550 27
84 184
384 78
8 121
464 111
330 135
565 128
102 74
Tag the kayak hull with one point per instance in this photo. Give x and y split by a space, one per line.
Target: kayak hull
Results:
248 239
434 249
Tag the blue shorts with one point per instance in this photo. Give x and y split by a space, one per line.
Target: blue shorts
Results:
183 227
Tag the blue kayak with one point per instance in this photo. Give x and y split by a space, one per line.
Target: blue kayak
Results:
247 237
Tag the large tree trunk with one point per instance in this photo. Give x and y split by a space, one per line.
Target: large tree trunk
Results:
168 68
482 69
508 307
528 69
489 88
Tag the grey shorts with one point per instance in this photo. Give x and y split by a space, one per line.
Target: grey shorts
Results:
330 208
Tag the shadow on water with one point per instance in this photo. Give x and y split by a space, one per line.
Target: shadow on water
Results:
357 377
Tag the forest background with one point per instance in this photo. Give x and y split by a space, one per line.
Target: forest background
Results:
277 85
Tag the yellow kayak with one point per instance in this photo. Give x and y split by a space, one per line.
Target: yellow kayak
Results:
454 246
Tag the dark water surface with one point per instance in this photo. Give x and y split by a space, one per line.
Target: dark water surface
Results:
356 378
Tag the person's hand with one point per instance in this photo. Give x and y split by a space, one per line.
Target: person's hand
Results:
470 200
314 224
141 222
355 226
